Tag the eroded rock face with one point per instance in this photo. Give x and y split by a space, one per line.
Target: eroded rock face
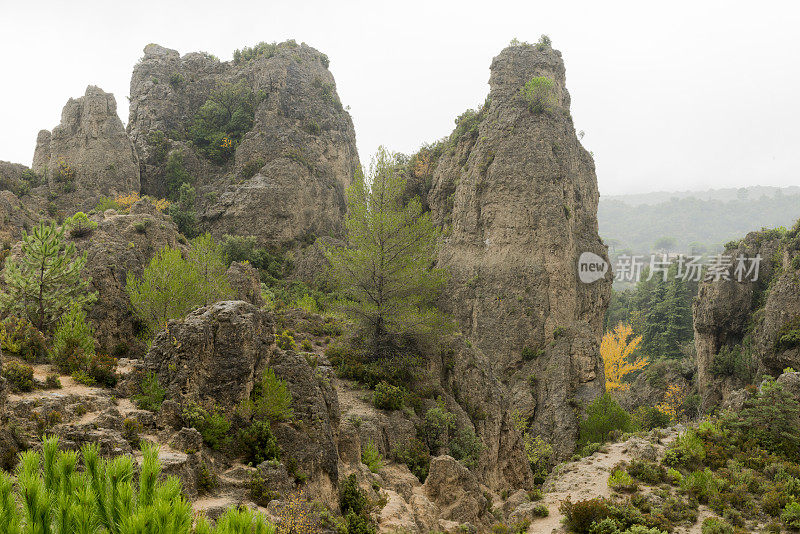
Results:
300 152
517 200
729 314
212 357
88 155
453 489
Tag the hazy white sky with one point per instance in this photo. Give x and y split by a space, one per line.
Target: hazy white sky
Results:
671 95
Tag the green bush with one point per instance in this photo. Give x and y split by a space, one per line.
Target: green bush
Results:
702 485
466 447
388 397
151 393
540 456
416 456
736 361
271 399
648 472
539 93
241 249
79 225
21 338
175 175
581 515
211 424
371 457
438 424
648 418
222 120
358 524
258 443
603 416
183 211
529 354
791 515
251 168
19 376
772 420
351 497
686 451
285 341
73 342
540 510
621 481
714 525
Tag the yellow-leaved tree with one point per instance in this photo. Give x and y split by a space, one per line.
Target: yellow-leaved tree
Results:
618 356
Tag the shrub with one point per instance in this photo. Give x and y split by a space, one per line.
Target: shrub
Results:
285 341
388 397
621 481
702 485
539 94
791 515
73 342
648 418
580 515
415 456
103 369
52 382
82 377
258 443
371 457
207 479
686 451
18 336
603 416
540 456
772 420
358 524
151 393
271 399
466 447
529 354
351 498
222 120
183 211
788 336
79 225
438 424
130 431
648 472
714 525
212 425
540 510
175 175
19 376
609 525
737 362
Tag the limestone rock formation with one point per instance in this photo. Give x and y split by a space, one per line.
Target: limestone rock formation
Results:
453 489
212 357
285 182
245 282
88 155
755 319
516 195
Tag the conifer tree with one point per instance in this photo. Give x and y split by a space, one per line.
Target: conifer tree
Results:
209 260
386 270
44 280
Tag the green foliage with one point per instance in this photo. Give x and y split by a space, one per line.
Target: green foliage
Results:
183 211
620 480
714 525
648 418
736 361
258 443
415 456
19 376
581 515
791 515
772 420
176 80
285 340
540 456
351 497
529 354
44 280
271 399
19 337
211 424
159 147
371 457
466 447
701 484
388 397
222 120
687 451
262 49
438 425
539 93
151 393
175 175
79 225
206 256
385 272
358 524
540 510
246 249
788 336
603 416
648 472
73 342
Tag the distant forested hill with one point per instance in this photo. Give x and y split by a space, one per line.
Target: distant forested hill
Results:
699 222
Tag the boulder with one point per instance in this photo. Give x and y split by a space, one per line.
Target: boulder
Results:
212 357
244 279
455 492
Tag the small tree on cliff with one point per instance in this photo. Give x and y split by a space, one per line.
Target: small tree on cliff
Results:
44 280
386 271
617 352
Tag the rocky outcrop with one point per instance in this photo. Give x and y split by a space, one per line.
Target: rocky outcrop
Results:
753 323
245 283
122 244
88 155
453 489
212 357
516 196
285 182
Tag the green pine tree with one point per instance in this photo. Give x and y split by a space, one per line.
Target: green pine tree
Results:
44 280
386 270
209 261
